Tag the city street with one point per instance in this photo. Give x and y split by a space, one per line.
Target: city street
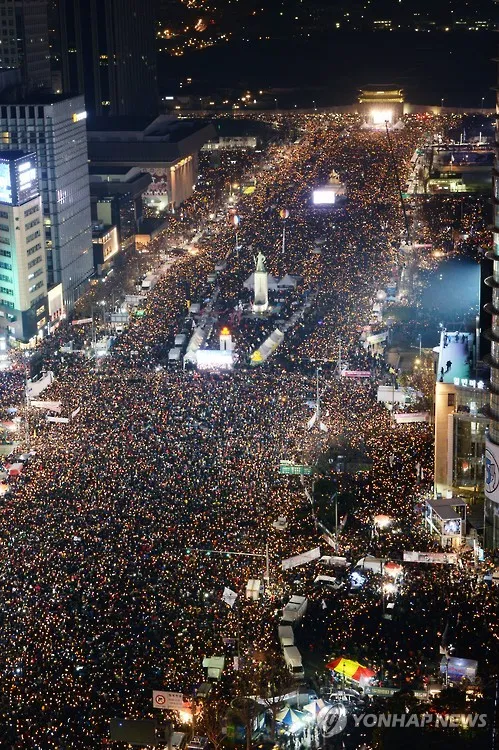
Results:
120 536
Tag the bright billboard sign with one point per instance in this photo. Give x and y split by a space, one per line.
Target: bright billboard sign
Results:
491 471
324 197
5 183
26 178
214 359
18 180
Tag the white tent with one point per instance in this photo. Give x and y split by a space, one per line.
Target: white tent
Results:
288 282
196 342
250 282
268 347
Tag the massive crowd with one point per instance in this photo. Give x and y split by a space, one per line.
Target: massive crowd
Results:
118 539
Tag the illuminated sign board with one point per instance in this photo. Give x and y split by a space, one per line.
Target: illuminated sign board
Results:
214 359
5 183
79 116
26 180
18 180
324 197
466 383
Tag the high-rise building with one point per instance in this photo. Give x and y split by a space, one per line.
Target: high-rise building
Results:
23 273
54 127
492 444
108 52
25 40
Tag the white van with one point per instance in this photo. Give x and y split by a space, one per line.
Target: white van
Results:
300 602
374 564
174 354
292 657
289 616
286 635
294 610
334 562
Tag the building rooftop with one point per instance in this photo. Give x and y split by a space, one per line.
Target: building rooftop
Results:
164 128
100 231
118 124
101 169
19 95
381 92
159 143
455 347
135 187
446 509
15 155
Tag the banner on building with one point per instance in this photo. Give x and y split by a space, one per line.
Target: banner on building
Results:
491 471
305 557
432 558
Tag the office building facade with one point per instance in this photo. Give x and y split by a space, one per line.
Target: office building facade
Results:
23 273
116 195
24 37
461 423
108 52
55 128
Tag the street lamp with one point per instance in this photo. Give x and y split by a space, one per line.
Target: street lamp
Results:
442 102
483 99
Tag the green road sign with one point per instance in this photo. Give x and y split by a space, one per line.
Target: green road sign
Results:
287 467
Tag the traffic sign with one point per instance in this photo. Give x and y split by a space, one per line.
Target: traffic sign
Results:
288 467
167 700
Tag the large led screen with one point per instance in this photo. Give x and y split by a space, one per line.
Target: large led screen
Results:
323 197
27 180
5 183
